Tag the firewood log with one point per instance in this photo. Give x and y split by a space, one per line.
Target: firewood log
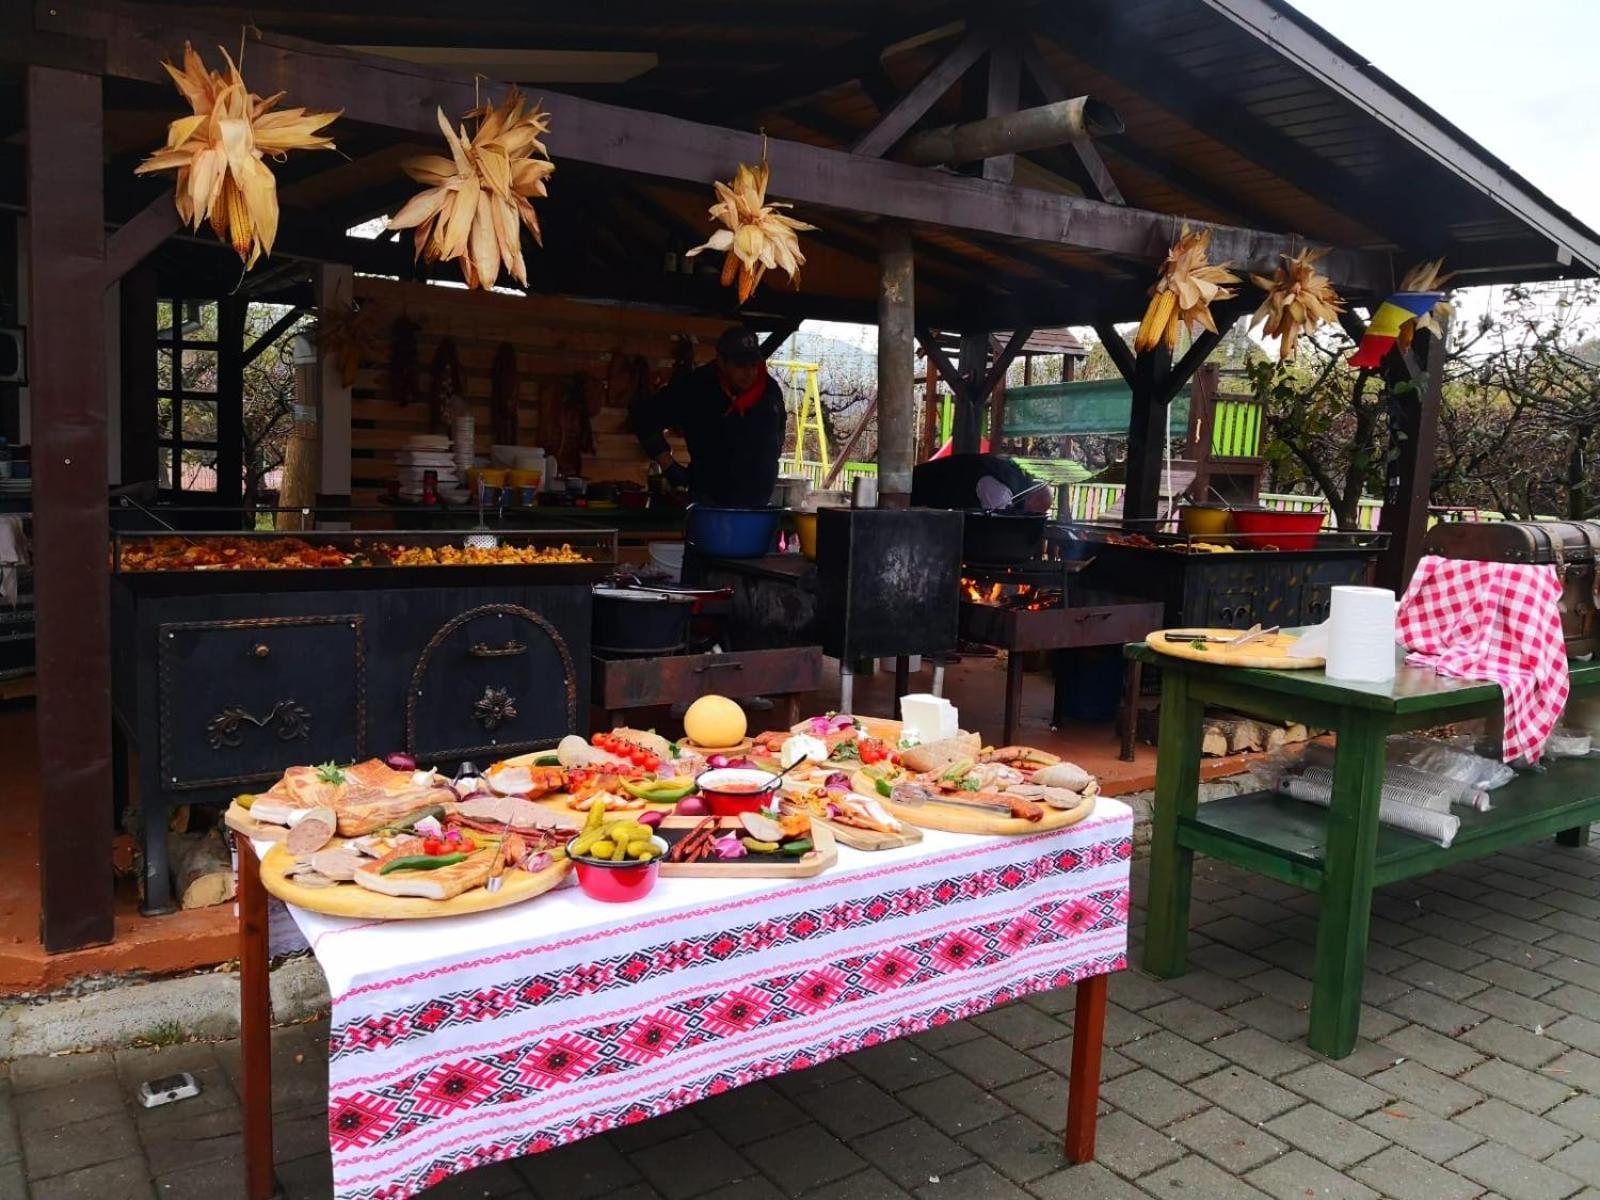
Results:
202 872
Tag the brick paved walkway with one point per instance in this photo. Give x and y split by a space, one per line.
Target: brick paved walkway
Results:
1479 1075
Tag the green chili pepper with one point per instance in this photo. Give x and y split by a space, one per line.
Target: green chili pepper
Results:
883 787
797 847
547 760
409 821
421 862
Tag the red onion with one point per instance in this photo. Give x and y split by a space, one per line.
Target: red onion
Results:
717 761
837 782
399 762
652 819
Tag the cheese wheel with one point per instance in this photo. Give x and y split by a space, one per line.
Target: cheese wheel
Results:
715 721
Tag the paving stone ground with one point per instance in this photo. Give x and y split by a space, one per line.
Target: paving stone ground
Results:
1477 1075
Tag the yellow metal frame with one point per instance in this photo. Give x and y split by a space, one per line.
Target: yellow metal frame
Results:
808 417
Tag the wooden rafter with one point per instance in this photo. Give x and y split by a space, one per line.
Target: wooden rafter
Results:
1050 88
1117 348
911 107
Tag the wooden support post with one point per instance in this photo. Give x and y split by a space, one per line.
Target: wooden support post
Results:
1414 429
137 349
896 365
333 286
974 365
1003 92
231 313
930 410
66 326
777 336
1147 437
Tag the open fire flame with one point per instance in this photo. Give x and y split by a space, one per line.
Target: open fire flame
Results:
1021 596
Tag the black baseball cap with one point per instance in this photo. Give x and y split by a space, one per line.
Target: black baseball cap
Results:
740 346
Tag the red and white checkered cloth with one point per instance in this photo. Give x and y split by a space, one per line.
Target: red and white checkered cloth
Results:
1495 621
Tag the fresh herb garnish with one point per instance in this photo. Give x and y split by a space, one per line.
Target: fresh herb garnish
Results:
1198 644
846 750
970 785
330 772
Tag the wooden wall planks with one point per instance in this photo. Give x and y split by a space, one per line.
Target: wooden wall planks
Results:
555 340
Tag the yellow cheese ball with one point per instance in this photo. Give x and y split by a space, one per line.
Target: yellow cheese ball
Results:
715 721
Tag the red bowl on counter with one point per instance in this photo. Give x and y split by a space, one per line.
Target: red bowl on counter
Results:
617 882
1262 527
729 791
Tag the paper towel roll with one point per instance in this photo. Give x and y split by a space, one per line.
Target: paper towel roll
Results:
1361 635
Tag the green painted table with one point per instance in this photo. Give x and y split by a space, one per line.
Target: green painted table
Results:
1340 852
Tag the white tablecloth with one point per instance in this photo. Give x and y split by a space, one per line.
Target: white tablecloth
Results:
471 1040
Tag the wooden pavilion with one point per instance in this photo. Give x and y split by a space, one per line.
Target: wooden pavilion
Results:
909 132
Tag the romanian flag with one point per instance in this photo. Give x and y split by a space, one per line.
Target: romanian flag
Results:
1386 323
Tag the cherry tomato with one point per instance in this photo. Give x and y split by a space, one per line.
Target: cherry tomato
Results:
433 847
650 762
603 741
637 756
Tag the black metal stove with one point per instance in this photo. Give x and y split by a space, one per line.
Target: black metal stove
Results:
1038 605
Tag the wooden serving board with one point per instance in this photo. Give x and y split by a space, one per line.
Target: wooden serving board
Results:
741 747
870 839
353 900
824 855
238 819
1269 652
956 818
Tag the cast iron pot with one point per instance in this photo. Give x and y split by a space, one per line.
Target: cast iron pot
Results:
631 621
1002 538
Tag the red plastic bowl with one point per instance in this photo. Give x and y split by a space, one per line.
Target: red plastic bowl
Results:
1262 527
617 883
731 804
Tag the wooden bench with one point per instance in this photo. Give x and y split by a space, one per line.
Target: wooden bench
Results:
1340 852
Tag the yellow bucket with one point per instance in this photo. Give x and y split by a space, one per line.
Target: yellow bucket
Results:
805 527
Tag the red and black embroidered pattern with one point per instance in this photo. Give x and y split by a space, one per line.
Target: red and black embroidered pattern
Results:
473 1152
397 1026
605 1049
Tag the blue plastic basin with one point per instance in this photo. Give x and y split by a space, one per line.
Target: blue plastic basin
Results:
731 532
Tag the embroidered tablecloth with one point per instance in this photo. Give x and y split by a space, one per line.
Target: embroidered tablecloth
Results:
471 1040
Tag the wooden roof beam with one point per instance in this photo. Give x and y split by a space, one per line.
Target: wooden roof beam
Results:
1395 213
399 96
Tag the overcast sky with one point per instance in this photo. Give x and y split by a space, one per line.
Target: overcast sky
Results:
1520 78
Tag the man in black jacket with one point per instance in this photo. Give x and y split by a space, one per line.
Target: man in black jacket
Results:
731 414
981 481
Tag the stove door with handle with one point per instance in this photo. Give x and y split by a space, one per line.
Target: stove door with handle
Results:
493 681
241 700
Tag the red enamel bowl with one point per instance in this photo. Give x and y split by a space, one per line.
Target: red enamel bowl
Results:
729 791
1262 527
617 882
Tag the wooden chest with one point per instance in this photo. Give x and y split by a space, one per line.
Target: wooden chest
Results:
1571 546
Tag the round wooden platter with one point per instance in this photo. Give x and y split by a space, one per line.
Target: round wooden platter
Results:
353 900
956 818
1270 652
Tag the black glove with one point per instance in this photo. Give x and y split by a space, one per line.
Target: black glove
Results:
677 476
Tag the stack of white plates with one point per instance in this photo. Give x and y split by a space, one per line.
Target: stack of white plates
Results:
426 452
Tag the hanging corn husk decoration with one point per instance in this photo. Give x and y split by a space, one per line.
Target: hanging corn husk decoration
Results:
1299 298
218 153
478 198
1183 294
1428 276
758 237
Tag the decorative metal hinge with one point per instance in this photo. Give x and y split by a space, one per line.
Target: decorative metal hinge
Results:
286 719
494 708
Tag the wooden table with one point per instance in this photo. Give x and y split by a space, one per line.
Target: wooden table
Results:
1340 852
1058 937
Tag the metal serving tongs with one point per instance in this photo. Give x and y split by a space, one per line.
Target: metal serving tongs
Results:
1254 633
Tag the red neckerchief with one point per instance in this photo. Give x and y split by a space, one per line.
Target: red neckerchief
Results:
742 402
